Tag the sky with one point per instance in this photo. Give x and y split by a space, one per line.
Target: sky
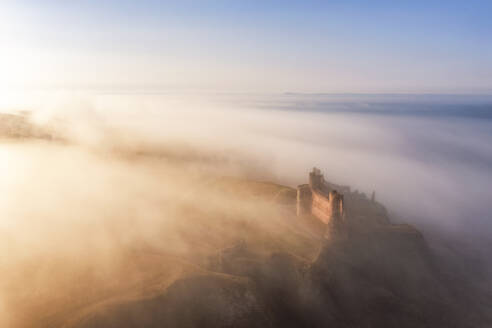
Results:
248 46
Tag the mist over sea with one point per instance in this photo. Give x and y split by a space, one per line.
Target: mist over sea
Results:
429 157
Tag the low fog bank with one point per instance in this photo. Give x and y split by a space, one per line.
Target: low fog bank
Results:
124 172
428 157
81 225
426 161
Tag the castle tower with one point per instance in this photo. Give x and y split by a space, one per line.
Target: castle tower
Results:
316 179
337 209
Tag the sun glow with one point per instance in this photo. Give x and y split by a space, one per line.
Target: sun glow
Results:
20 64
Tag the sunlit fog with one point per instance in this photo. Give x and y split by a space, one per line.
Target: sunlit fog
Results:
113 174
245 164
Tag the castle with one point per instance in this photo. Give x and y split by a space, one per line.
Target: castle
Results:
320 200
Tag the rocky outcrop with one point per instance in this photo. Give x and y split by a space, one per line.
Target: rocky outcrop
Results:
372 274
212 300
18 126
383 279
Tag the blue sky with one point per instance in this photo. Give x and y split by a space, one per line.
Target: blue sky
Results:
308 46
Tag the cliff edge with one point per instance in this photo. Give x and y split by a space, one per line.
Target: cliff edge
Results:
373 274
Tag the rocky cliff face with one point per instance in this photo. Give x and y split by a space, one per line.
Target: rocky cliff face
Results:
375 274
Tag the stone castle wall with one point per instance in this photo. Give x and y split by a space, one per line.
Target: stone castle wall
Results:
327 207
319 200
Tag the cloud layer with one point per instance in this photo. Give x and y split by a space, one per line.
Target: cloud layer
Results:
131 166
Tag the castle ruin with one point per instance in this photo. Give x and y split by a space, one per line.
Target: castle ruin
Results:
320 200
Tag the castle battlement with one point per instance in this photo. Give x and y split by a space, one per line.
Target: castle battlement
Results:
320 200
